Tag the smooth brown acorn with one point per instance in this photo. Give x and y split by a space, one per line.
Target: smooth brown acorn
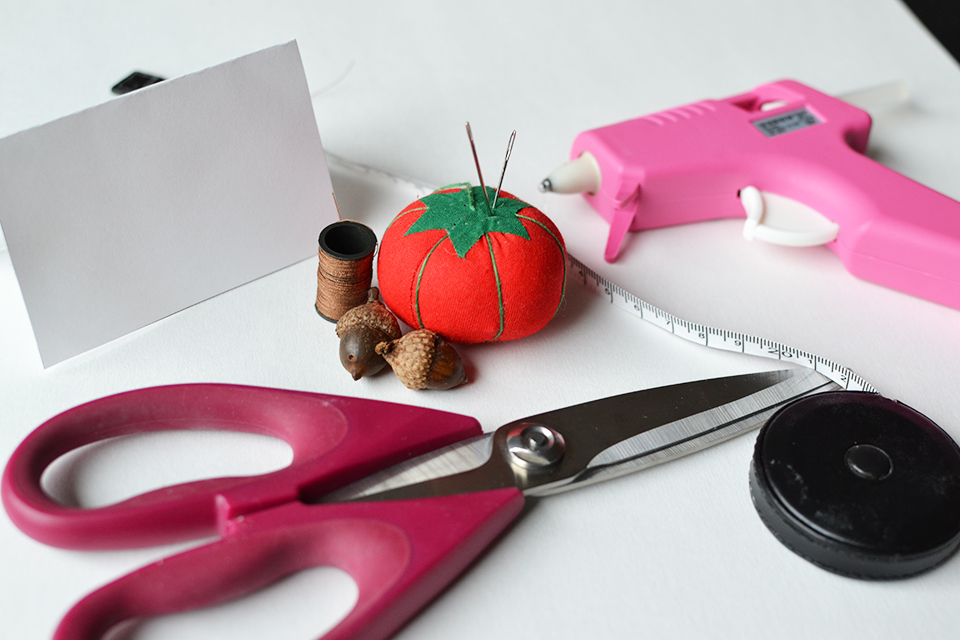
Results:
423 360
360 330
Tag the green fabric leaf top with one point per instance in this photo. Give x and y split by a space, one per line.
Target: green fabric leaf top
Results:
466 216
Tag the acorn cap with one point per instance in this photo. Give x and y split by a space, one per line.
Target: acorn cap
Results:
423 360
373 314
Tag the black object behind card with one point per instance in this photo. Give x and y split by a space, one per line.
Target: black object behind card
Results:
134 81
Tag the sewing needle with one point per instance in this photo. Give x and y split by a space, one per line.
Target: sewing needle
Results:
476 161
503 172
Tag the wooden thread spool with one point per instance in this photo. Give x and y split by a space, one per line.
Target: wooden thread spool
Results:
346 267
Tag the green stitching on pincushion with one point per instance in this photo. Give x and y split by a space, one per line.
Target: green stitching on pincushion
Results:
496 276
416 292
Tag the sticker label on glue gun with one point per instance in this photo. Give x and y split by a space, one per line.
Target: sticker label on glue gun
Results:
786 122
709 336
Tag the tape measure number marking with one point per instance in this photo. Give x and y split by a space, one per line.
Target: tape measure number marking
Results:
709 336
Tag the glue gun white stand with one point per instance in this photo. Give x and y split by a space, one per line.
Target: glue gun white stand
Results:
779 220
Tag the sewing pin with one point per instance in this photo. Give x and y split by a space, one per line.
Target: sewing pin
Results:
476 161
496 196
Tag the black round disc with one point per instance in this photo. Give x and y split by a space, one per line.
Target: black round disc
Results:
858 484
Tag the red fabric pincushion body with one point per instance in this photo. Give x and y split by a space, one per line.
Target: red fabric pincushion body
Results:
448 264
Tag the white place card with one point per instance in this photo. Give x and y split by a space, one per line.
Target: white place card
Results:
132 210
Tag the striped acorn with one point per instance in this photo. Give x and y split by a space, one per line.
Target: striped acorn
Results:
423 360
360 330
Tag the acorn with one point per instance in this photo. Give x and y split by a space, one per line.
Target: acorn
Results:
423 360
360 330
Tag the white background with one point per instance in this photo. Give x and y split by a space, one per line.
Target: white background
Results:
677 551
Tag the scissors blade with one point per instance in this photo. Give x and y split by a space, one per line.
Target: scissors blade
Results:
696 431
452 460
601 439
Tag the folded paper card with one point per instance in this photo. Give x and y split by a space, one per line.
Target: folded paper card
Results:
132 210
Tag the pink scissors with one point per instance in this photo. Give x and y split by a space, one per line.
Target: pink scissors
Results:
401 498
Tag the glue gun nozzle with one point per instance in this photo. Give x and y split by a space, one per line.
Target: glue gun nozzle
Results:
581 175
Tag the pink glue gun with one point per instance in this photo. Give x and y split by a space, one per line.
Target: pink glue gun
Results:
791 159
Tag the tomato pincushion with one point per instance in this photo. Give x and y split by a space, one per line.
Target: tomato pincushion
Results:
449 263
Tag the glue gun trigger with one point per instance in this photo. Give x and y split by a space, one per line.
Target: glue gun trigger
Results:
619 225
784 221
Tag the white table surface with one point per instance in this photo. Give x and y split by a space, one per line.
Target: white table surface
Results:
677 551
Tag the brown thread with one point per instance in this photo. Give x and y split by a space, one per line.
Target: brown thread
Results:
345 269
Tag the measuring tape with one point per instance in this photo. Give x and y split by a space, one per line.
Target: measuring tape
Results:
709 336
694 332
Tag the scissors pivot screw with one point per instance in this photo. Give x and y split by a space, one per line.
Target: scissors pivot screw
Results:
534 446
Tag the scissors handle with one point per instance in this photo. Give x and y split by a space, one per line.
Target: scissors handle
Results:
401 555
335 441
